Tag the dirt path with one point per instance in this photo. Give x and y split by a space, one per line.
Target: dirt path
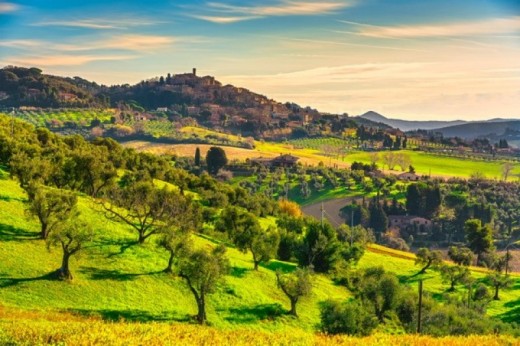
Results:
332 209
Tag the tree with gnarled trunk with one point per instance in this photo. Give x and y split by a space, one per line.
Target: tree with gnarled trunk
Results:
427 259
498 281
143 207
454 274
50 206
203 271
71 236
506 170
176 236
295 286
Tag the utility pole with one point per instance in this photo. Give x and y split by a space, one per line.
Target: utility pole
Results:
322 214
351 226
12 122
420 307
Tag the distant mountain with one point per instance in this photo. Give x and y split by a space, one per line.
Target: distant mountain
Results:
494 128
408 125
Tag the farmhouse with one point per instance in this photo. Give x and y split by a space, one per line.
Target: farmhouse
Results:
403 222
284 160
408 176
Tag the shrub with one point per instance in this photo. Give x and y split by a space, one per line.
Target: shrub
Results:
346 318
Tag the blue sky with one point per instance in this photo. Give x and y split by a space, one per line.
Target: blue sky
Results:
427 59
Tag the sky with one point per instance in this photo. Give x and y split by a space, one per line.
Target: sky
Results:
408 59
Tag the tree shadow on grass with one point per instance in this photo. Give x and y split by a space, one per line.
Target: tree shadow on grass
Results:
133 315
114 275
9 282
12 233
278 265
513 313
239 272
251 314
10 199
122 243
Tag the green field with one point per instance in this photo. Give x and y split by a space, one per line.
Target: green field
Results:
428 163
116 279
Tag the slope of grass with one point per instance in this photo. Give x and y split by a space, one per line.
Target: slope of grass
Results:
117 279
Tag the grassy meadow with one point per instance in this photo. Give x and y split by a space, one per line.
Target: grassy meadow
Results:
426 163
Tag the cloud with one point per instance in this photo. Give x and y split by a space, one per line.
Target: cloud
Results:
140 43
134 43
482 27
99 23
224 13
21 43
334 74
325 42
7 7
224 20
63 60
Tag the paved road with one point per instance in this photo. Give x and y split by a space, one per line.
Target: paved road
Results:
331 207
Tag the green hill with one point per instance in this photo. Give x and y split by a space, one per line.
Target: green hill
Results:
116 279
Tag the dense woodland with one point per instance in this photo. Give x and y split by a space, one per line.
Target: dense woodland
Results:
165 203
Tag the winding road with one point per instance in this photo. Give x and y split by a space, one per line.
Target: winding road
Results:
332 209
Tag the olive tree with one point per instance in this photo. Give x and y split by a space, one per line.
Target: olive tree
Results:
71 237
295 286
203 270
143 207
51 207
427 259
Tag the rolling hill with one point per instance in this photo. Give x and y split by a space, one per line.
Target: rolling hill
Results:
502 129
455 128
407 125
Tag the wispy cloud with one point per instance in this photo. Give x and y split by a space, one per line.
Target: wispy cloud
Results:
224 20
222 13
338 43
134 43
482 27
30 44
100 23
140 43
7 7
64 60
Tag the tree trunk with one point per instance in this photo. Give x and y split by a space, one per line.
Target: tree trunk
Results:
422 271
142 237
201 315
64 272
496 297
170 263
452 288
293 307
43 232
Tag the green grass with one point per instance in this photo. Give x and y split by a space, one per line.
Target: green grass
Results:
117 279
426 163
